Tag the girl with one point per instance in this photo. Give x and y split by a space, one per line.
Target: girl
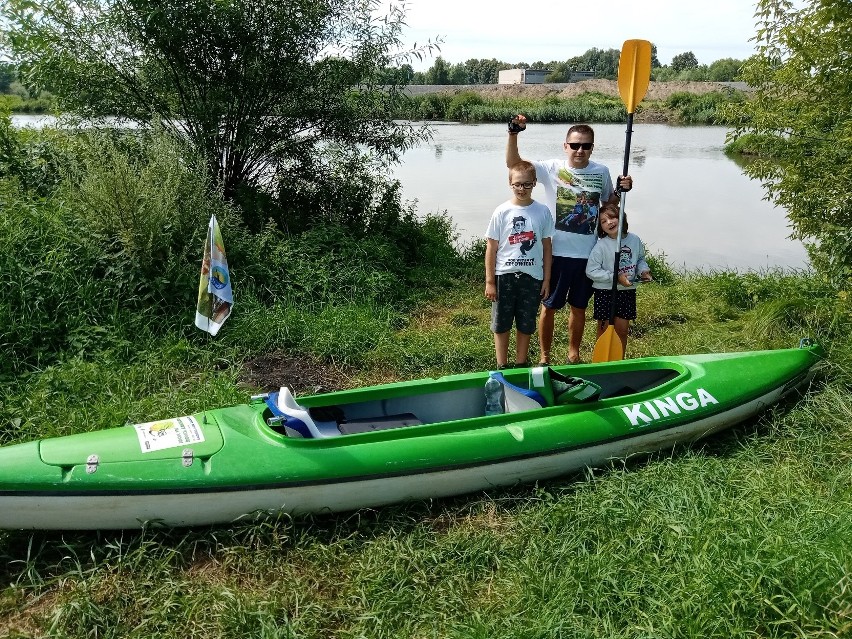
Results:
632 267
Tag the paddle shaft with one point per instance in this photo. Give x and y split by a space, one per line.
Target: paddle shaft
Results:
622 197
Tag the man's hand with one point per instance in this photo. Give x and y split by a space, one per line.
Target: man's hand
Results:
517 124
624 183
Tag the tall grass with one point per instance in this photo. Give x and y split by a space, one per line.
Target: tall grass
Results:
108 243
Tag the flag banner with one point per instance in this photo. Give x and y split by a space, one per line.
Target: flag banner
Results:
215 297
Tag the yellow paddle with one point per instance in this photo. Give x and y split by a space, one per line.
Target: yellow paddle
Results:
634 74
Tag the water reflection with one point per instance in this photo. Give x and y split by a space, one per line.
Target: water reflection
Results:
690 200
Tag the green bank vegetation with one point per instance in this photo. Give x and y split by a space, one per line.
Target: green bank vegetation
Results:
746 534
470 106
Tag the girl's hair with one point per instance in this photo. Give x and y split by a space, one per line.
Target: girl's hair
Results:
612 208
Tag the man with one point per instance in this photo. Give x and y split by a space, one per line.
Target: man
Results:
575 188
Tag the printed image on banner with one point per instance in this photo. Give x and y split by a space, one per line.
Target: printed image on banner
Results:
215 297
168 433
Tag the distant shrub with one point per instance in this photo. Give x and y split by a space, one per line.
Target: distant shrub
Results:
461 107
756 145
706 108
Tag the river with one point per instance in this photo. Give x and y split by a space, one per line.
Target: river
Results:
689 201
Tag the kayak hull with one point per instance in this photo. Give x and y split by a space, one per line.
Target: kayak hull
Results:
244 468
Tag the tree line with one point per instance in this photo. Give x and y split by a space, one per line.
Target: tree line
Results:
602 63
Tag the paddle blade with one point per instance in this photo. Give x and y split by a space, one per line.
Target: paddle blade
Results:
608 348
634 72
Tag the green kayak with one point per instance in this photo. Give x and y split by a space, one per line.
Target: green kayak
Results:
383 444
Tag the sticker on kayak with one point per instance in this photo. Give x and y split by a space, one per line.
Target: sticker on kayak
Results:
168 433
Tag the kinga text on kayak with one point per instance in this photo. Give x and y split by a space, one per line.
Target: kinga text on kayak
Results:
647 412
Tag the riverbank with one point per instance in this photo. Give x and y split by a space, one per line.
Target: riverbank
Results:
594 101
748 530
656 90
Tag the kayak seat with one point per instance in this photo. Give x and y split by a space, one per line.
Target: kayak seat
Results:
558 389
517 398
384 422
296 420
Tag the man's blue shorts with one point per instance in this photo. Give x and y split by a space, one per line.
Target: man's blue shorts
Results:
568 282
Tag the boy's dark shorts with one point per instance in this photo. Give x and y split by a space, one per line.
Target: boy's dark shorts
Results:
625 304
518 297
568 282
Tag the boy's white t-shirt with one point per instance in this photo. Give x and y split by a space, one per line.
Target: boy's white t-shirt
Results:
519 231
574 197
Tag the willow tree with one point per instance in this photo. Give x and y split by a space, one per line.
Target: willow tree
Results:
801 112
258 87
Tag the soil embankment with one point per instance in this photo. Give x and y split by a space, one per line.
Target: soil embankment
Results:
656 90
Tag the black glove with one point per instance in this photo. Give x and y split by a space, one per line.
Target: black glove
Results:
514 127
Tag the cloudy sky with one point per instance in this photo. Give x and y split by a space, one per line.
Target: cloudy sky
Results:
531 30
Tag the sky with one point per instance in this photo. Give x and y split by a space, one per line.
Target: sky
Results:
532 30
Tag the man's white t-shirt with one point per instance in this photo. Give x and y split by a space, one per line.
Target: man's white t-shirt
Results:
574 197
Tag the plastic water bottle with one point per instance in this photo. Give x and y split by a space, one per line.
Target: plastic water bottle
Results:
493 397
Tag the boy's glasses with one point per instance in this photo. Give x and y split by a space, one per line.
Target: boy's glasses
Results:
523 185
576 146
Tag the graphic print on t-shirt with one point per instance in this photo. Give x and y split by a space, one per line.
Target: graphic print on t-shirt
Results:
523 240
578 199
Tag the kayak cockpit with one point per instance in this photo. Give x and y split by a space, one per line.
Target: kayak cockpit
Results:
448 399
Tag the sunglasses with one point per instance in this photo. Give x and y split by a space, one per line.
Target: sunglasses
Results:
576 146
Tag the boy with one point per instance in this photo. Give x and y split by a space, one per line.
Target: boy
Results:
575 189
517 264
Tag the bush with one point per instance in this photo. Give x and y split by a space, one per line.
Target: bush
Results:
33 157
661 271
707 108
112 243
145 205
462 107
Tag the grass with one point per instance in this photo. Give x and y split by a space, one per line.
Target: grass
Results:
746 534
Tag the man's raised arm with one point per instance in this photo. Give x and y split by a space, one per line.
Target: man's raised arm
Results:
516 125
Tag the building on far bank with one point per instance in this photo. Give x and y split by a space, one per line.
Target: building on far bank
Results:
581 75
522 76
536 76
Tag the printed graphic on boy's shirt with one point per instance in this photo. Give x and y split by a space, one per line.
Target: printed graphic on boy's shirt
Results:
523 240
